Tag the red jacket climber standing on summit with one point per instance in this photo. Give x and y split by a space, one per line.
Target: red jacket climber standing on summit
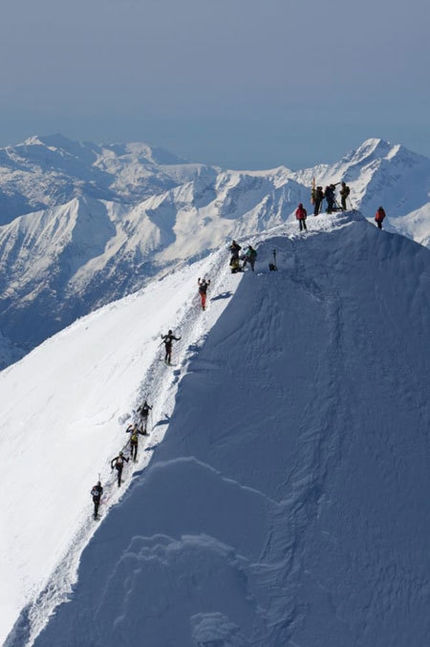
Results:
379 217
301 215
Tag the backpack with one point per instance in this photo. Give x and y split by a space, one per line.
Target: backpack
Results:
144 410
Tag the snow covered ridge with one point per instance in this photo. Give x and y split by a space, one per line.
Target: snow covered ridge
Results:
84 224
288 500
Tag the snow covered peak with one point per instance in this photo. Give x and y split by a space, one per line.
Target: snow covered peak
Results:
370 149
155 156
54 141
376 150
34 140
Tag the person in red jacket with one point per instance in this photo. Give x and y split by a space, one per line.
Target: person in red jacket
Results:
203 288
301 215
379 217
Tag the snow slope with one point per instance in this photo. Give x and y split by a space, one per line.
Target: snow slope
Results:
287 503
93 374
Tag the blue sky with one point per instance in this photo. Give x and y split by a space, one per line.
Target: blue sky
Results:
232 82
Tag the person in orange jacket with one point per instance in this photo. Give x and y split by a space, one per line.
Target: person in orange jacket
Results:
379 217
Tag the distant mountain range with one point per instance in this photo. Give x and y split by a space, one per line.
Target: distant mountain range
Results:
83 224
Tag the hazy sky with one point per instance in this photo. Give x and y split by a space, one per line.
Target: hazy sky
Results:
240 83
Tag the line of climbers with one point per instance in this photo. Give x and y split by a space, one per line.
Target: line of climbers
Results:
140 428
135 430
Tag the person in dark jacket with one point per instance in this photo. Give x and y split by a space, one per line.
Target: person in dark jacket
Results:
203 288
235 249
250 257
319 197
234 259
329 195
118 464
344 193
301 215
379 217
134 432
143 411
96 493
168 343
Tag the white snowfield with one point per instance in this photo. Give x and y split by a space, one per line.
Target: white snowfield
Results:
286 499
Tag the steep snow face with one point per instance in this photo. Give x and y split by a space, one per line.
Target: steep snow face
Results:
287 503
